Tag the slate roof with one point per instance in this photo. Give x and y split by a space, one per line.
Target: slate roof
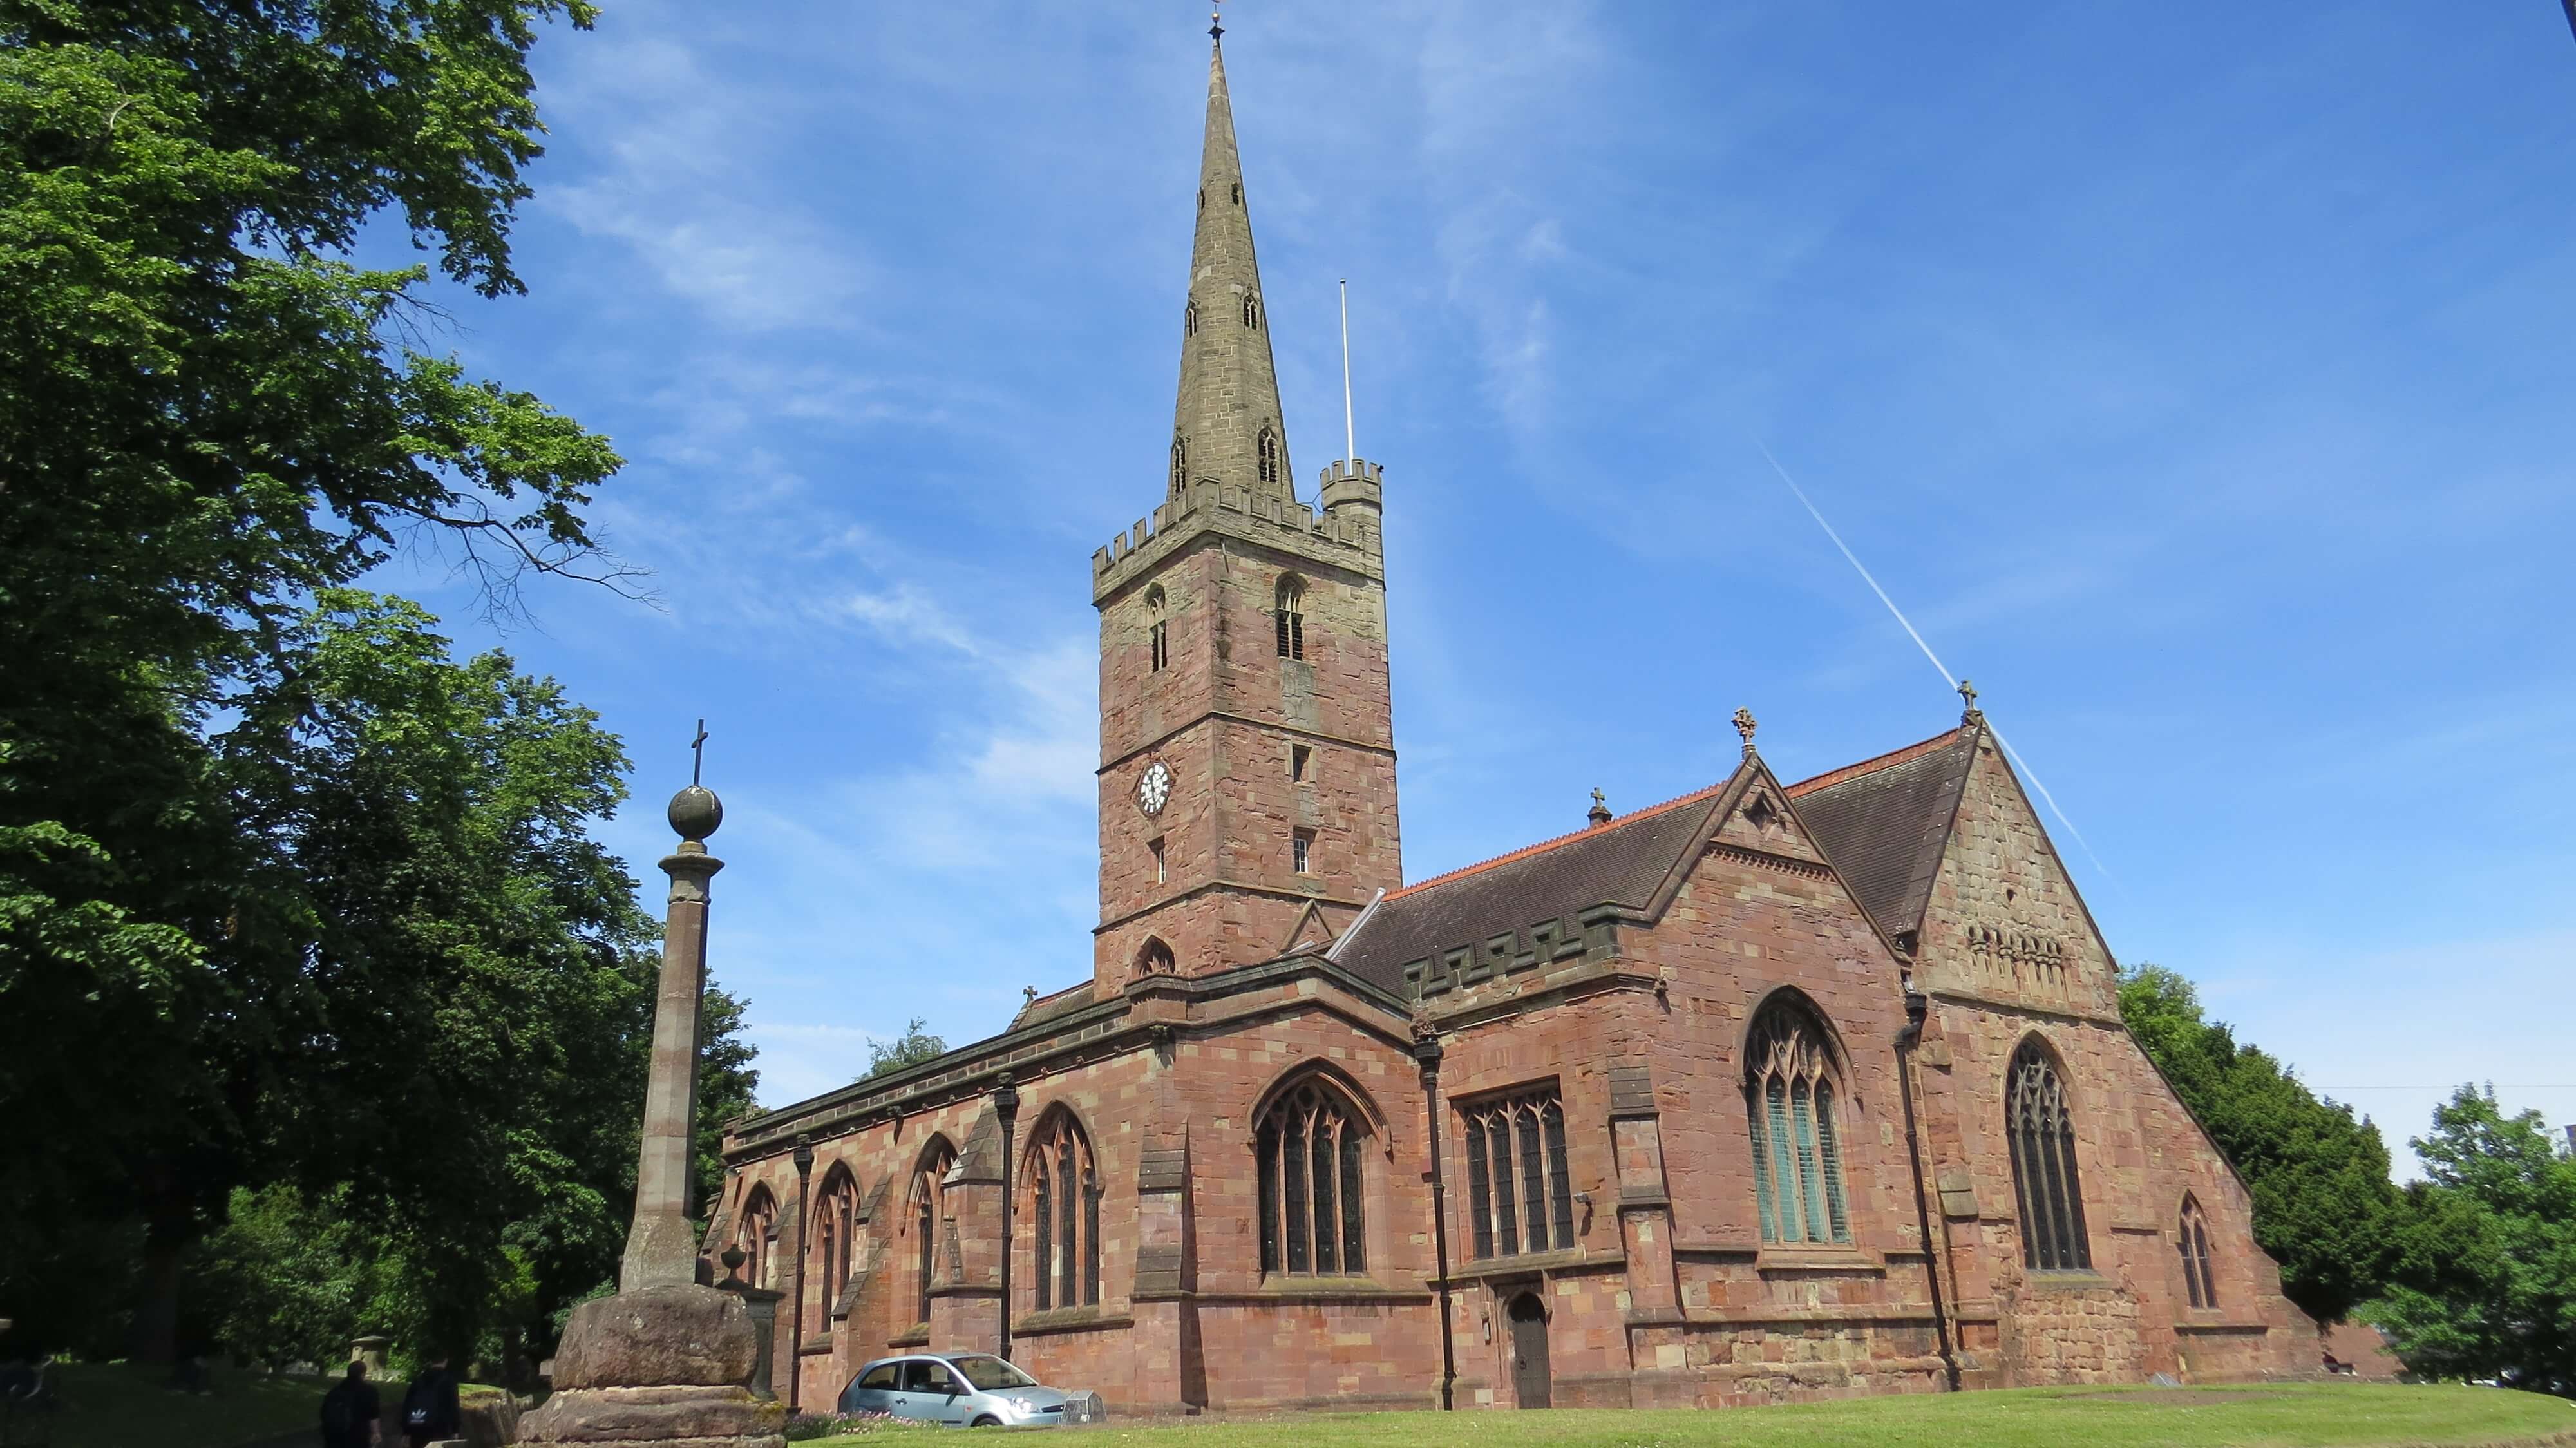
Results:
1883 823
1620 863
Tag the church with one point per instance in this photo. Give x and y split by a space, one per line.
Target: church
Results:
1774 1091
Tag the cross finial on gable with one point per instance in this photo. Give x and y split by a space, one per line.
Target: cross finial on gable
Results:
1970 713
1599 814
1744 726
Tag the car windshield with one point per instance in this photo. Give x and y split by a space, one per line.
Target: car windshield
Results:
990 1374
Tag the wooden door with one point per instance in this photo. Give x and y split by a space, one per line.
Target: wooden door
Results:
1529 1351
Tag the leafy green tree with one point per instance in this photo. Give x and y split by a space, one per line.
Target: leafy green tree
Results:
2486 1270
2324 1207
911 1048
207 416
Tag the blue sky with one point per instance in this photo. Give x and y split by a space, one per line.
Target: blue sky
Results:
2195 374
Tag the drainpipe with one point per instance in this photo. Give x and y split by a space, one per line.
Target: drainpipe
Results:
1006 1105
1426 1052
804 1221
1917 1006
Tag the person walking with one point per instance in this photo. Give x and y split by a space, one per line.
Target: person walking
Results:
430 1411
350 1411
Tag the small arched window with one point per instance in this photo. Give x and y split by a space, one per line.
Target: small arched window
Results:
2191 1239
836 1223
1180 465
1291 616
1789 1096
1252 311
929 1216
1238 193
1154 958
2041 1129
1156 640
1202 198
1190 317
1063 1214
756 1231
1266 452
1308 1167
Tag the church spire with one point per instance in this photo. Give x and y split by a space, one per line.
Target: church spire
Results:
1227 425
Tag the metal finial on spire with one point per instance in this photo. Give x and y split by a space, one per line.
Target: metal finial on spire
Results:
1216 20
1744 726
698 753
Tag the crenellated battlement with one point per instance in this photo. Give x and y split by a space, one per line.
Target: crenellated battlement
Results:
1346 532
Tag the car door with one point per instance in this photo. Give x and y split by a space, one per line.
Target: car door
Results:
948 1394
874 1391
923 1391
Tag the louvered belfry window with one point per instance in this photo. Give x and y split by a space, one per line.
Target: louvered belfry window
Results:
1180 465
1266 455
2042 1131
2192 1240
1520 1196
1063 1215
1292 618
1789 1096
1309 1168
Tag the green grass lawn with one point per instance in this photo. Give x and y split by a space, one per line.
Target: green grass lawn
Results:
119 1405
2290 1415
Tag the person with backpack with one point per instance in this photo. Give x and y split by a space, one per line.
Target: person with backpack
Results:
350 1410
430 1411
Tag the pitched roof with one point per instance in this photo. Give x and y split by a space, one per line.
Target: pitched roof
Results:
1883 822
1620 863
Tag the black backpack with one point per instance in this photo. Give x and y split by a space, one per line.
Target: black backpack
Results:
420 1403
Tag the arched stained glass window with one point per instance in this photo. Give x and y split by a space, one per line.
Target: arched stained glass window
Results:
929 1216
1789 1096
1063 1214
1309 1168
2191 1238
2041 1128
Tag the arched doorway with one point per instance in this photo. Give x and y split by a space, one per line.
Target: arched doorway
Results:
1529 1351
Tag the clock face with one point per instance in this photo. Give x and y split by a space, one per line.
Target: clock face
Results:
1154 787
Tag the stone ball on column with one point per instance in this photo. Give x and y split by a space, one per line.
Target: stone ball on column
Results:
695 812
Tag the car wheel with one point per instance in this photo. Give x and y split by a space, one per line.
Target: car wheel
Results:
986 1421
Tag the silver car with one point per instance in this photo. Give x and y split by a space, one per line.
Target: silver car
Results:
970 1389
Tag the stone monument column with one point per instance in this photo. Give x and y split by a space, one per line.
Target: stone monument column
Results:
662 1248
665 1361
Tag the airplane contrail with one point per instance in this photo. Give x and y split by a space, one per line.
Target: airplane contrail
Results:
1948 680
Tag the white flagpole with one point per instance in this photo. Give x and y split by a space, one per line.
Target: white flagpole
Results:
1350 443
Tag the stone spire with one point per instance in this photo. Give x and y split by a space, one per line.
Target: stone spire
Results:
1227 425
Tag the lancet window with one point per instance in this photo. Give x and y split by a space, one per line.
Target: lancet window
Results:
1519 1195
2041 1128
836 1223
929 1215
1309 1167
1190 317
2191 1238
1789 1096
756 1232
1252 311
1063 1214
1291 617
1155 637
1266 454
1180 466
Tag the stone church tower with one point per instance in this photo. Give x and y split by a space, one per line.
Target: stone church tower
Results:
1247 760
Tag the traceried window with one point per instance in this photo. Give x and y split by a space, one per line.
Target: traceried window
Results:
1157 641
1252 311
1266 455
929 1214
1180 466
1309 1167
1292 617
1063 1214
1519 1197
2041 1128
1789 1096
1154 957
836 1223
757 1231
2191 1238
